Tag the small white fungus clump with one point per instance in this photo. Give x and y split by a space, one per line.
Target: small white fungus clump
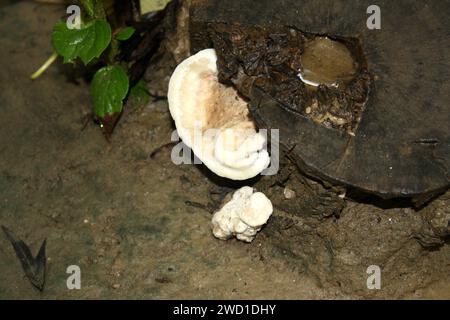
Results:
243 216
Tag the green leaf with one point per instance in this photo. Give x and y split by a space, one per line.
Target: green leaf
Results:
108 89
125 33
86 43
140 93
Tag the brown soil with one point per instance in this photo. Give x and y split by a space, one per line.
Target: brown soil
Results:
127 218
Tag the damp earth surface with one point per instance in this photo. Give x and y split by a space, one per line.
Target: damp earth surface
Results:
138 226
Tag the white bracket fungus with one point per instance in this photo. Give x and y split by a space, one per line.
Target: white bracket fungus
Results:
243 216
213 120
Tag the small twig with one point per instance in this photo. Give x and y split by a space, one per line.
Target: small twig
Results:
45 66
196 205
86 120
210 207
157 97
160 148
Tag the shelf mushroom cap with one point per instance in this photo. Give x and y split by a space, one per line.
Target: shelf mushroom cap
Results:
213 120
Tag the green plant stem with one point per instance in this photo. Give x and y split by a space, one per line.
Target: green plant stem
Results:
45 66
88 5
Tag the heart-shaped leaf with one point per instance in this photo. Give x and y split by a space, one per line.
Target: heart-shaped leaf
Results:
86 43
108 89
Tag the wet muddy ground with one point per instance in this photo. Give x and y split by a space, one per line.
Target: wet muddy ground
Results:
125 217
